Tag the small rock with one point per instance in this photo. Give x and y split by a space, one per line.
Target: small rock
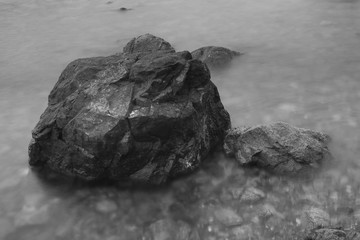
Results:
214 57
183 231
165 229
147 43
161 230
236 192
326 234
252 195
228 217
332 234
124 9
274 224
242 233
106 206
315 217
267 211
278 147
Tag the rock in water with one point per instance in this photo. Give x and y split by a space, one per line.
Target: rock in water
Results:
146 115
314 217
332 234
278 147
147 43
214 57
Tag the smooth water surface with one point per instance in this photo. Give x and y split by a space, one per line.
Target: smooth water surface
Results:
301 64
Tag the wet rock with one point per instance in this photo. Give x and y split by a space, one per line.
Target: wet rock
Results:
147 43
267 211
214 57
165 229
242 232
124 9
252 195
332 234
161 230
314 217
228 217
278 147
106 206
147 115
236 192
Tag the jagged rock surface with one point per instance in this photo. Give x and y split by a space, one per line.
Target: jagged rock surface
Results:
278 147
146 115
214 57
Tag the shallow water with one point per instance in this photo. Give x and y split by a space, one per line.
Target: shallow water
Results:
301 64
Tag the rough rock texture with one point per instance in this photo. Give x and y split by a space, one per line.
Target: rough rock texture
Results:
147 43
145 115
278 147
332 234
214 57
315 217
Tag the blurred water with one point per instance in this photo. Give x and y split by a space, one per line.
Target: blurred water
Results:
301 65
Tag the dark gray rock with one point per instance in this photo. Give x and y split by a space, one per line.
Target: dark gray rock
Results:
214 57
124 9
278 147
147 43
137 116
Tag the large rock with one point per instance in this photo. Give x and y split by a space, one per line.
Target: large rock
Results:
214 57
278 147
146 115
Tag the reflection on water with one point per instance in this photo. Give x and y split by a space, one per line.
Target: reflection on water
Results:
301 65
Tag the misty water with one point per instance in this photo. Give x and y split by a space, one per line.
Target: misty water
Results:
301 64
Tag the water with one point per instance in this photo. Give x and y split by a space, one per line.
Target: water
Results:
301 65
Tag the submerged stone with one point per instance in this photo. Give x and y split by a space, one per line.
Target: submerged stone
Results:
146 115
166 229
252 195
244 232
228 217
278 147
214 57
315 217
332 234
106 206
